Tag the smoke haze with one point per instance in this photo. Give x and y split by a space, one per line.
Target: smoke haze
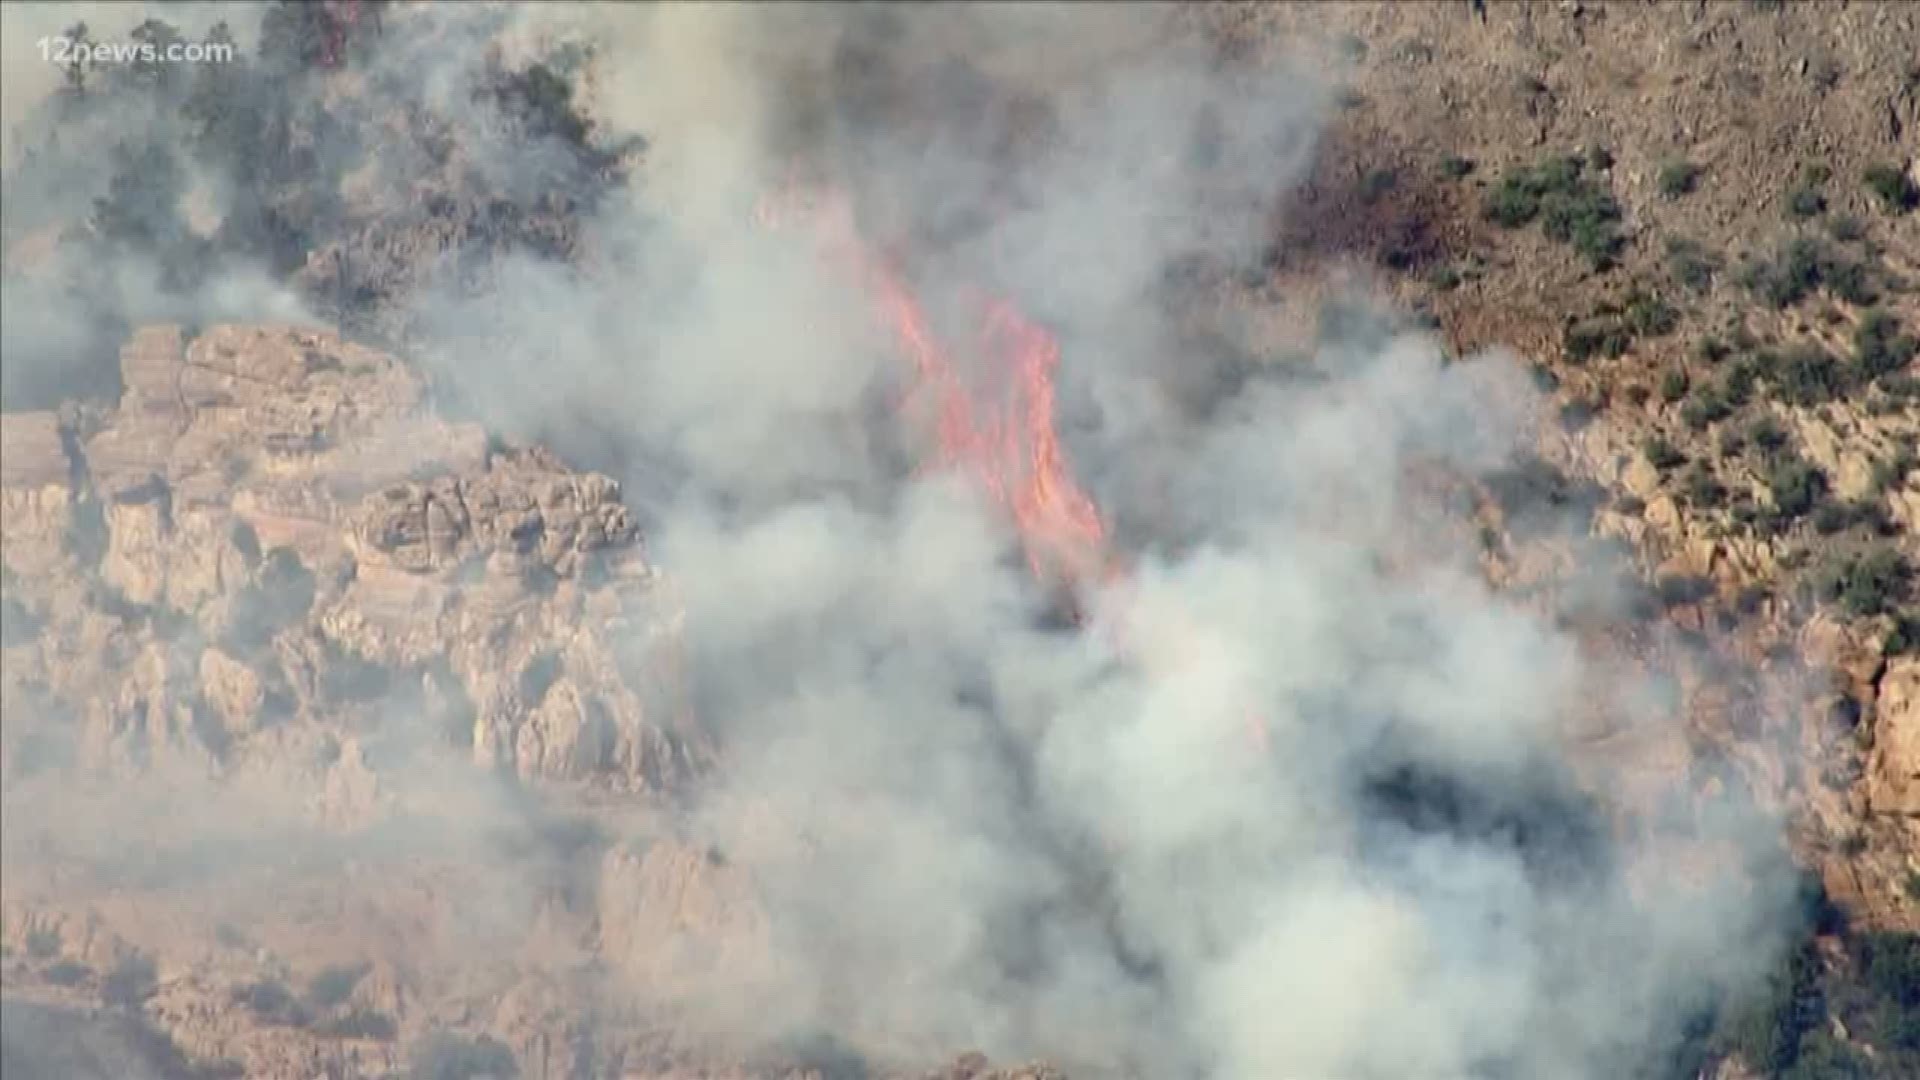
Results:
963 825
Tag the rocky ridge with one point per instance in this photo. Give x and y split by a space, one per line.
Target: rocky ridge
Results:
288 502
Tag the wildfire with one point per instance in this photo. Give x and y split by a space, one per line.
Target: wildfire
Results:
1003 437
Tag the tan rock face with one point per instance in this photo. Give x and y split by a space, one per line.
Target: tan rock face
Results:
283 499
1894 772
36 499
232 689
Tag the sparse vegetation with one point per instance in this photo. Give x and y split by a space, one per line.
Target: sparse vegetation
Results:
1650 316
1691 264
1678 177
1905 638
1702 489
357 1024
1797 486
1892 471
131 980
1677 590
1806 202
1711 350
1570 207
1866 584
1879 346
1603 335
448 1055
1708 405
272 1001
1895 189
1787 280
1767 435
1662 454
333 986
1673 384
1846 228
1377 183
1808 376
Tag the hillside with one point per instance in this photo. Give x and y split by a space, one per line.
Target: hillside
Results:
1232 541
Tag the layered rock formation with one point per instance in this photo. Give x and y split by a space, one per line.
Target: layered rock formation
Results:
272 515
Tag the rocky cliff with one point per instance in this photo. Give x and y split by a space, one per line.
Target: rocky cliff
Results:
271 516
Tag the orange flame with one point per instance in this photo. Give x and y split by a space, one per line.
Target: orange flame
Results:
1005 439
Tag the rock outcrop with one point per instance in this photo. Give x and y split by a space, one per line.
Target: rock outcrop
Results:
1893 773
272 525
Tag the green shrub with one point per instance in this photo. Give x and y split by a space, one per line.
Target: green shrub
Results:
1895 189
1691 264
1832 517
1866 584
1663 455
1737 385
1510 205
1604 335
1805 202
1879 348
1808 376
1590 228
1786 280
1444 278
1377 184
1455 167
1707 406
1892 471
1570 208
1678 177
1890 961
1673 384
1850 281
1905 638
1650 316
1711 349
1846 228
1797 486
1702 489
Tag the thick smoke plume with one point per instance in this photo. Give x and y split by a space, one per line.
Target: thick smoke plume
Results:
968 825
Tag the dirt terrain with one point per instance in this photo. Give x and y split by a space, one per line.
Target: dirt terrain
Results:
435 675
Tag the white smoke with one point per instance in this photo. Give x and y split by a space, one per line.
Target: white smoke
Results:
968 829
